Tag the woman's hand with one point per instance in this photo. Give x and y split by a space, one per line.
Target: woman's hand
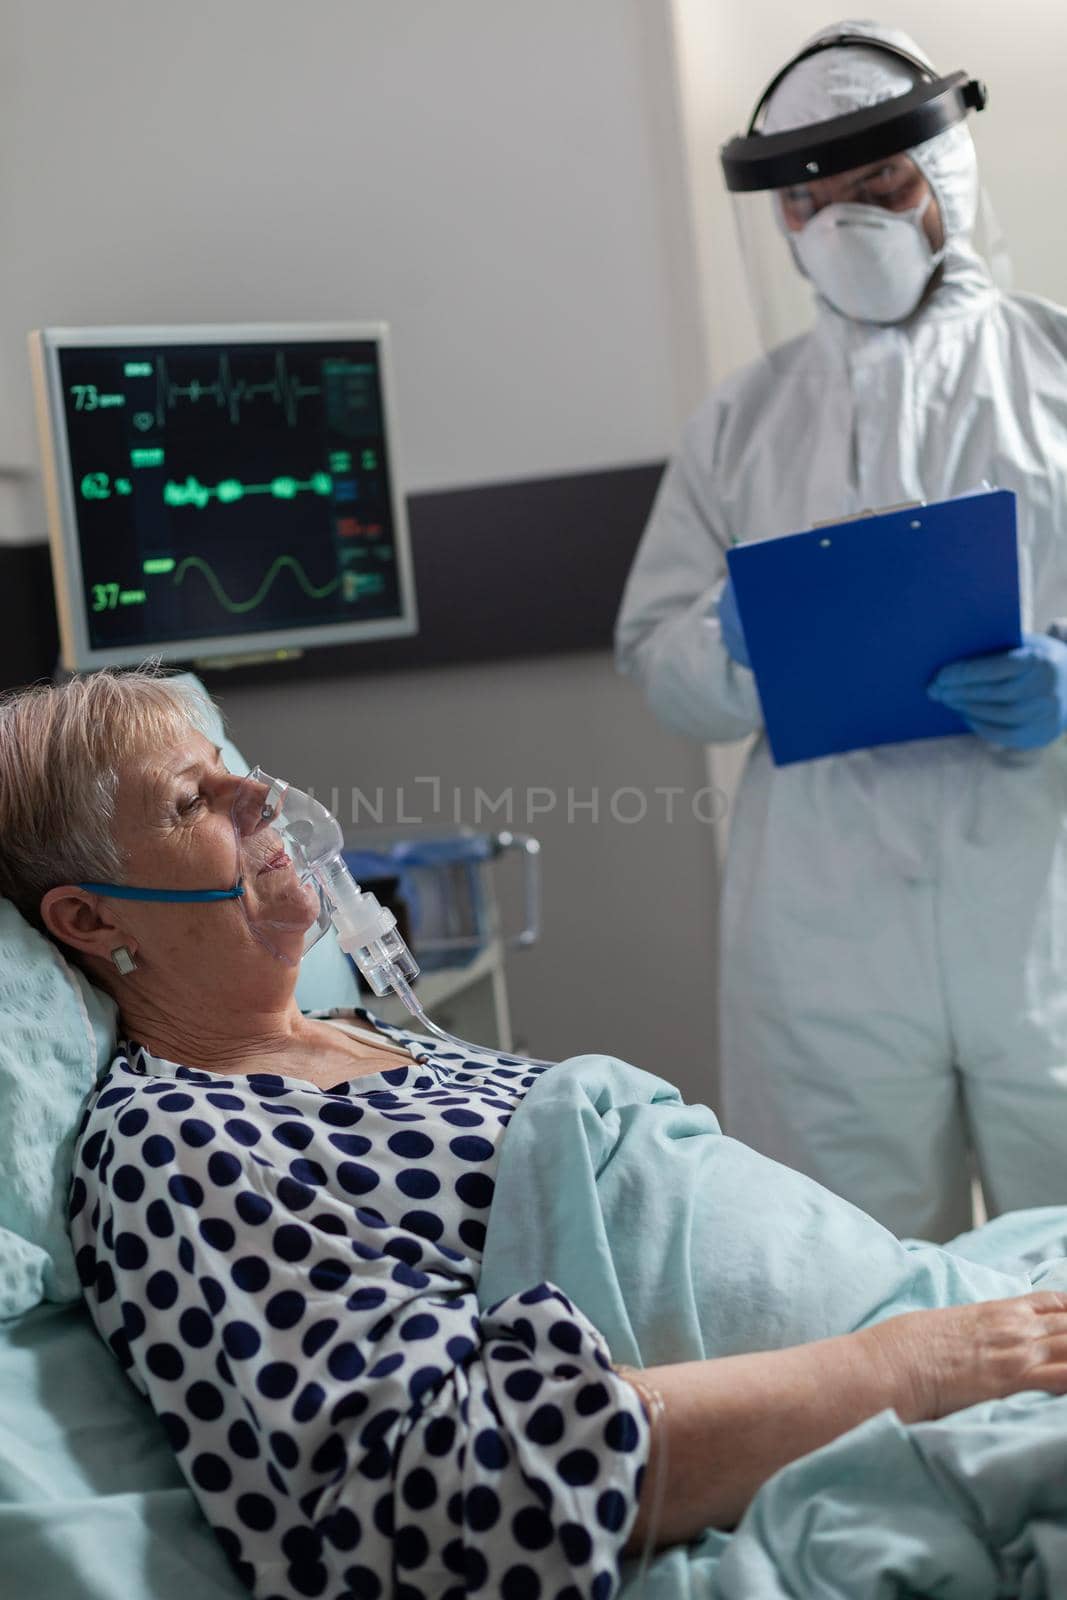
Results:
942 1361
730 1423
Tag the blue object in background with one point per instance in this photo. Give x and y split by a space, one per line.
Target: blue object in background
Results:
847 625
440 886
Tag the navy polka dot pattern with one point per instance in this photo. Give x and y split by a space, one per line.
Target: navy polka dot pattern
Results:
289 1275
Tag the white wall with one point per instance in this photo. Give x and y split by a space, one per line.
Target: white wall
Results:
501 180
478 174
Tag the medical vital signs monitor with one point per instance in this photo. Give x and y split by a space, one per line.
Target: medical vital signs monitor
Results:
220 491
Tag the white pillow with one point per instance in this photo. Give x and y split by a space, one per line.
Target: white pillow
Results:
56 1031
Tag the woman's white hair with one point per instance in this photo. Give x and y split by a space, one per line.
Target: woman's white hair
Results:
61 749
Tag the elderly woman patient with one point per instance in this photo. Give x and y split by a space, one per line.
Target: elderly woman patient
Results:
279 1221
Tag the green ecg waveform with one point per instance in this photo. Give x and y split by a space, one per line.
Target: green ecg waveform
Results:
194 493
240 606
231 393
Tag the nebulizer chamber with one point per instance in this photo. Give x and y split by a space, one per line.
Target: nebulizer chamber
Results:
366 930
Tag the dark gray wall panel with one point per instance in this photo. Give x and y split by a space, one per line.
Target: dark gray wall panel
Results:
502 571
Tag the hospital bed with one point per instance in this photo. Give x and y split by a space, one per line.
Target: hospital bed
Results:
94 1507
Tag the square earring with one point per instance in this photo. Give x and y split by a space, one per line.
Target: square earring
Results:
123 960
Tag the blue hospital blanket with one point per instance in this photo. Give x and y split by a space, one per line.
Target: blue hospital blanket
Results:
680 1243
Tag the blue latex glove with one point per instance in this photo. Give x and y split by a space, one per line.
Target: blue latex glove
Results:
1017 699
733 635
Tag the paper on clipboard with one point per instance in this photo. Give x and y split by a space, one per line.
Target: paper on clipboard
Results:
847 624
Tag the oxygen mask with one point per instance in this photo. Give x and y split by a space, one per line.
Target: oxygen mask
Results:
290 855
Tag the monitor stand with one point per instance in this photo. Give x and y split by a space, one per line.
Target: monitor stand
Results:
254 658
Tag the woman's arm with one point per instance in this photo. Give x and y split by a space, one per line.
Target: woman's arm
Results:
729 1424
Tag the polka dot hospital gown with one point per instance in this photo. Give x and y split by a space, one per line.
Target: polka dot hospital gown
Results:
288 1275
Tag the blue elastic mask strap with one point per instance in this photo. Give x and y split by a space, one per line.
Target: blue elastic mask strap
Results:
125 891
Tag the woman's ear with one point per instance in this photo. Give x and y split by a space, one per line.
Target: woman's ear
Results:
82 920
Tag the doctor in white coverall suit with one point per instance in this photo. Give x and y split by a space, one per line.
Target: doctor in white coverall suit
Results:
894 920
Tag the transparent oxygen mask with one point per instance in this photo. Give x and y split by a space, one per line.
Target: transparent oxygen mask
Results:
290 852
296 884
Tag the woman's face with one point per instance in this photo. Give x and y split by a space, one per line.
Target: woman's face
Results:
178 826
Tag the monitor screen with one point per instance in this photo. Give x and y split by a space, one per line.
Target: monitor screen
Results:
219 491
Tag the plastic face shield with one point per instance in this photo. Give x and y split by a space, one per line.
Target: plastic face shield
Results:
286 842
835 208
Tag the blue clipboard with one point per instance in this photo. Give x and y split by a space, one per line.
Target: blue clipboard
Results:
847 624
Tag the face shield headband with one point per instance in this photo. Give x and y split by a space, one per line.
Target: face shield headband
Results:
759 161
